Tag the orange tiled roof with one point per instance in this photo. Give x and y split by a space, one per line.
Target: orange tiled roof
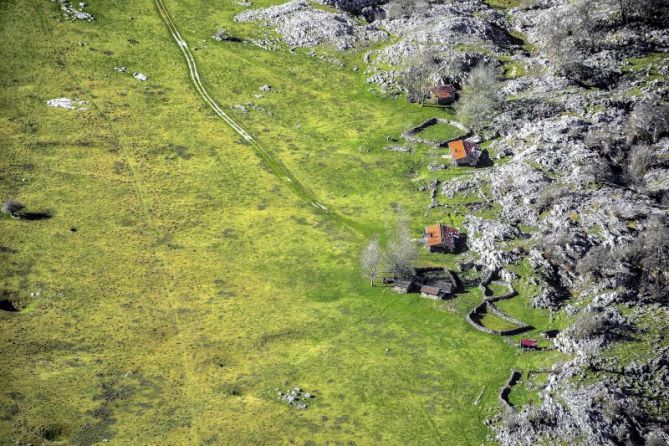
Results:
433 234
437 234
457 149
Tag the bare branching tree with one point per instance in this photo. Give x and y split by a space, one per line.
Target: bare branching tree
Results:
401 252
417 75
479 101
571 31
648 11
652 254
405 8
12 208
648 122
370 260
639 161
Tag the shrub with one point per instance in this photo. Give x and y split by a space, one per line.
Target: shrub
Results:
13 208
596 259
589 326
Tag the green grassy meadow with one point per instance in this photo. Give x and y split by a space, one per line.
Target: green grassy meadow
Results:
179 283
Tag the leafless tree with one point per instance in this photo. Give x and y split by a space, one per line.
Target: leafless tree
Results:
417 75
370 260
649 11
648 122
405 8
639 160
401 252
479 99
12 208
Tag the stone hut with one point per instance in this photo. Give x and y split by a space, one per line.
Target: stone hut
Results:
437 291
405 286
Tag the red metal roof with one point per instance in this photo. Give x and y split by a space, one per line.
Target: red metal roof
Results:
528 343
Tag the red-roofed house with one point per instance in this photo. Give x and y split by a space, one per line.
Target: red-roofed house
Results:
441 238
464 153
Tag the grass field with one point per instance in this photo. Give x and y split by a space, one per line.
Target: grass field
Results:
179 283
439 132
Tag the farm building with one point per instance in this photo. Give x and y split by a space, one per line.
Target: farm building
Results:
441 238
442 95
464 153
437 290
433 282
405 286
528 344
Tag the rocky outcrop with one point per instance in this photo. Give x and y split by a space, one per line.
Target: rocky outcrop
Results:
622 406
302 25
354 6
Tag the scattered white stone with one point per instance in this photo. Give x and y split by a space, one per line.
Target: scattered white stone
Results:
71 13
121 69
67 103
140 76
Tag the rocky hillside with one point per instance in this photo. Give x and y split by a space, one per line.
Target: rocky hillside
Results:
579 125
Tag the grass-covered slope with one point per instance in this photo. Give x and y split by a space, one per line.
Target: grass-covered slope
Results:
179 283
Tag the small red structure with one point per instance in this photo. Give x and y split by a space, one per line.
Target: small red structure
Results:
528 344
442 94
464 153
441 238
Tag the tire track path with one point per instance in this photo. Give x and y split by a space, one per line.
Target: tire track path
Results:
277 168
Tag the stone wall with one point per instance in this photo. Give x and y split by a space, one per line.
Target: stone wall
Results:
506 390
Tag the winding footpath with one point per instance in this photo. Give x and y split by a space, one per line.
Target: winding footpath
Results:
277 168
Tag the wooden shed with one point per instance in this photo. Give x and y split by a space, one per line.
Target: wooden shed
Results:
441 238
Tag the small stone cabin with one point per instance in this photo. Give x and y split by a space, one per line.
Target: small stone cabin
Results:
431 282
464 153
405 286
437 291
442 94
441 238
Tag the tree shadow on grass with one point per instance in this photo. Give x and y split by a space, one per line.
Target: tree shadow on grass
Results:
36 216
